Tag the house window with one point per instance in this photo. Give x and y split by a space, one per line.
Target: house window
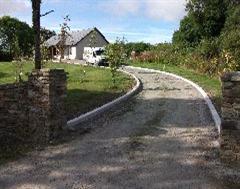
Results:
70 50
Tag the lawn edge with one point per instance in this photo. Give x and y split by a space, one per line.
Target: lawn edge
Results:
214 113
74 123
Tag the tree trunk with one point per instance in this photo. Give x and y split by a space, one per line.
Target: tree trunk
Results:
36 27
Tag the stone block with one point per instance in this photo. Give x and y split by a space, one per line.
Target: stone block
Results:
227 84
235 76
226 77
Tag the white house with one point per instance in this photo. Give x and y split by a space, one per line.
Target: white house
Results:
76 42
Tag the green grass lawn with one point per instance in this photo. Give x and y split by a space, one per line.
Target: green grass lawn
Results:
211 85
86 91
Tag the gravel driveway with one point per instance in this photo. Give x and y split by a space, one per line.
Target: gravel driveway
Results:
162 138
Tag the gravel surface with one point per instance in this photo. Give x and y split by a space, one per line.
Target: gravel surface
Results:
162 138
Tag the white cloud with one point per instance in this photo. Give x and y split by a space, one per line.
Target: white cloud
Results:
12 7
120 7
168 10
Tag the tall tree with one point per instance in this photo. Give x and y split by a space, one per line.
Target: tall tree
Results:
209 16
188 34
205 20
36 5
12 29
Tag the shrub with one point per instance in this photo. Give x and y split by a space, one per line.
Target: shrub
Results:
115 55
138 47
208 48
230 42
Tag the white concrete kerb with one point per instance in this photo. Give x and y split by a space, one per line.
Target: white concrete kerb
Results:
76 121
208 101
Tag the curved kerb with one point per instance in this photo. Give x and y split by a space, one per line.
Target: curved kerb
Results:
213 111
84 117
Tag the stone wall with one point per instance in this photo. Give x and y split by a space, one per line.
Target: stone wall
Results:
34 110
13 111
46 93
230 135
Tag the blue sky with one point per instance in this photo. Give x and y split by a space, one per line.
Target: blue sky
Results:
150 21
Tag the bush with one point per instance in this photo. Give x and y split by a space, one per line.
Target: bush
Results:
115 55
138 47
208 48
230 42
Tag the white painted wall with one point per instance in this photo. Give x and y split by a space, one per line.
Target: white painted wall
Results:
78 49
68 54
100 42
73 53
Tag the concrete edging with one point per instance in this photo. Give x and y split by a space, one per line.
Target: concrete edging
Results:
213 110
84 117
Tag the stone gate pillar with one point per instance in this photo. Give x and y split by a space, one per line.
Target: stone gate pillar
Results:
230 134
46 95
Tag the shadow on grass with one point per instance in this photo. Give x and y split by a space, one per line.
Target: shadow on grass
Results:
3 75
81 101
77 102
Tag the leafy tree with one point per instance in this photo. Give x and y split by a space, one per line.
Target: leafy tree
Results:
115 55
46 34
205 19
189 32
208 15
12 29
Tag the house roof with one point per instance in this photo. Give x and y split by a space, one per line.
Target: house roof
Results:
73 38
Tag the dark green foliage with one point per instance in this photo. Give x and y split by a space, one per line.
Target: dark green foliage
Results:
138 47
211 30
208 48
205 19
209 16
188 34
12 29
230 37
230 41
46 34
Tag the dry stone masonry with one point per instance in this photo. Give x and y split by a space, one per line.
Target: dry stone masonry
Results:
13 111
230 135
33 110
46 94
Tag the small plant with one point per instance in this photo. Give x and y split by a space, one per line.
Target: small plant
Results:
17 62
63 36
18 71
115 55
82 76
44 52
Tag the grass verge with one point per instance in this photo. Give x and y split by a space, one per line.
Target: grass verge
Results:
88 87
